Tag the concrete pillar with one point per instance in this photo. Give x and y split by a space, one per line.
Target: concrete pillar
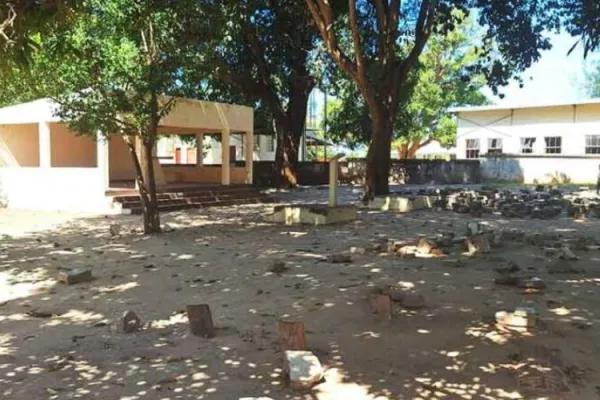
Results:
199 150
249 156
44 145
225 162
333 182
102 156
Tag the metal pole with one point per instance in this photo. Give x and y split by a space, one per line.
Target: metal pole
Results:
325 126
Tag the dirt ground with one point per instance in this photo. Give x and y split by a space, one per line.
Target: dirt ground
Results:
450 349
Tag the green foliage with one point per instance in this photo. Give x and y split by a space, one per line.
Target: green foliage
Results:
21 20
117 60
444 79
592 81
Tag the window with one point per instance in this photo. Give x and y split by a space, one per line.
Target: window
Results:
472 148
527 144
553 144
269 144
592 144
494 147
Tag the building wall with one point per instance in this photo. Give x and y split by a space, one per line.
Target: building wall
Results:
70 150
73 189
121 167
571 123
19 145
207 174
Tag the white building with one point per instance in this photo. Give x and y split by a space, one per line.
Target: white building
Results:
545 143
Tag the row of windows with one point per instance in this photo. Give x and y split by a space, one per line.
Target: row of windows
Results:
552 145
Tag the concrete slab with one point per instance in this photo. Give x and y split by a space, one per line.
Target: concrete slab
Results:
312 214
401 204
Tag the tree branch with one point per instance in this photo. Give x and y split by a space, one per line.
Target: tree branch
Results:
360 63
263 70
323 17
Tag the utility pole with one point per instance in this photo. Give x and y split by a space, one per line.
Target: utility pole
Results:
325 125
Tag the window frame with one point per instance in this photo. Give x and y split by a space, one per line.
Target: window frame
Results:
595 146
531 148
472 152
495 151
552 149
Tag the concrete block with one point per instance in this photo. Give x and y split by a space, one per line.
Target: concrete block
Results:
401 204
201 322
303 369
75 276
312 214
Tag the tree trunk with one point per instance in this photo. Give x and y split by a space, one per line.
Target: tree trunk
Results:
378 157
402 151
286 155
289 127
151 215
146 187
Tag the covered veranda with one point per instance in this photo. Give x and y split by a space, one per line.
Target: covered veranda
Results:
45 165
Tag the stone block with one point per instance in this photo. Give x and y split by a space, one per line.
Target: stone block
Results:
291 335
425 246
478 244
130 322
401 204
302 368
201 323
382 306
339 259
515 321
75 276
312 214
413 301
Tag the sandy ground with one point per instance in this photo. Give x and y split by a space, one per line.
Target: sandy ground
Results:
448 350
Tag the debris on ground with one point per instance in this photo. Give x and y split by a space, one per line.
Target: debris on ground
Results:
130 322
75 276
278 267
302 368
339 258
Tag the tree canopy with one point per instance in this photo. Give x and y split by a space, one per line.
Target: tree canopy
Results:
445 78
378 43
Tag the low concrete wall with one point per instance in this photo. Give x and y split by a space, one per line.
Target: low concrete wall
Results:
541 169
75 189
309 173
205 174
353 171
416 172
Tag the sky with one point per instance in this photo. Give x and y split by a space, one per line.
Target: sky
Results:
556 77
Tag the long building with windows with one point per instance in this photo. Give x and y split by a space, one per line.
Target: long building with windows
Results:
544 143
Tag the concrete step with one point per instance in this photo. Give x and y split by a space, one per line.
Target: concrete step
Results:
179 207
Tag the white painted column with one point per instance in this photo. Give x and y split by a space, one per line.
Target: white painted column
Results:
102 155
199 150
249 156
333 182
225 162
44 145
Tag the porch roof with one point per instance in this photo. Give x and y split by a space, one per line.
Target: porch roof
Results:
186 116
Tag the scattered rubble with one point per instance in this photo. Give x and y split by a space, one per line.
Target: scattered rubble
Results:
278 267
541 202
339 259
75 276
130 322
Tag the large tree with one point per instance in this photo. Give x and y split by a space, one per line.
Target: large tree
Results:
263 56
444 79
118 60
377 43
